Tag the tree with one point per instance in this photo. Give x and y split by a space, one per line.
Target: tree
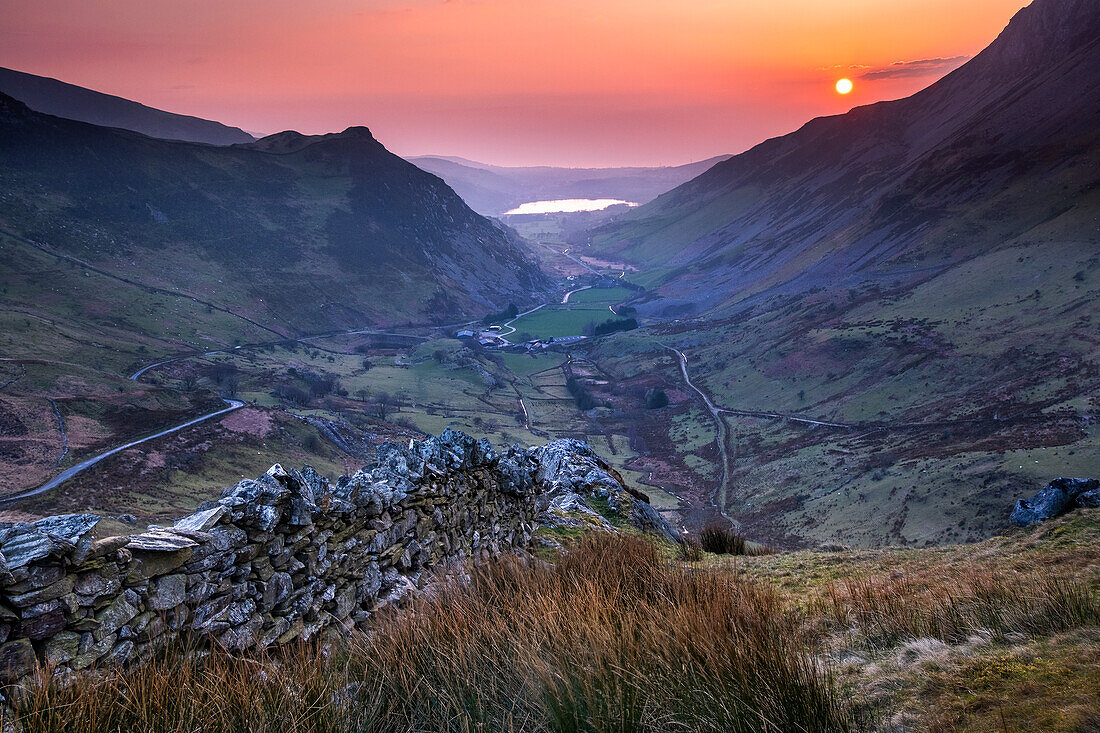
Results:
382 405
656 398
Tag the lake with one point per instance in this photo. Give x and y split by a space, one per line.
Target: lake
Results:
565 206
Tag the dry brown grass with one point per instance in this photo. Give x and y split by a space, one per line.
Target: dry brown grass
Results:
889 608
616 637
612 637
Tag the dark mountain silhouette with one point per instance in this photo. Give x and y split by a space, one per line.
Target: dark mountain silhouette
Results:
332 231
57 98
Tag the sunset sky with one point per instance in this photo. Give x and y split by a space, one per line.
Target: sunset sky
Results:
557 82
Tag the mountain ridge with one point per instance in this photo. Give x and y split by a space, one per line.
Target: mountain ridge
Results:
343 200
492 190
61 99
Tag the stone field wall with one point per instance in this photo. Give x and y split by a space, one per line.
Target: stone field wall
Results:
285 557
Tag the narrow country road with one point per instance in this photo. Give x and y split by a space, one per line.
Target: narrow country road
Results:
575 290
84 465
721 493
519 316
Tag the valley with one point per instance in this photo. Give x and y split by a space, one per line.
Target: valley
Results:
776 341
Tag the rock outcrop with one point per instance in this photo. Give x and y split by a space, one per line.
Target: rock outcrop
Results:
1059 496
579 489
285 556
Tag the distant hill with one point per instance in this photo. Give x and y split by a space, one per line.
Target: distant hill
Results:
57 98
334 231
492 190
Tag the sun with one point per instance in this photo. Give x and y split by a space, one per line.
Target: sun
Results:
843 86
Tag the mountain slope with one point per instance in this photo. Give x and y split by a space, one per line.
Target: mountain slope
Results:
54 97
492 190
916 281
897 185
305 240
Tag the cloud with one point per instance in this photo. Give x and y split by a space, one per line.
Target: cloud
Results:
920 67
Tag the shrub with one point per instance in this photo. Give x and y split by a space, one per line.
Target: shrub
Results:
721 540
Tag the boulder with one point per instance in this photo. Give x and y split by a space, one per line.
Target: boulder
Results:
1058 496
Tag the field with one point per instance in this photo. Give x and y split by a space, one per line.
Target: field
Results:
569 319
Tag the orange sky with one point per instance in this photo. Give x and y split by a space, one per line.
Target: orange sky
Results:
559 82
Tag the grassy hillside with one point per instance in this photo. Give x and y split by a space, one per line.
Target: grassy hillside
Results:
949 399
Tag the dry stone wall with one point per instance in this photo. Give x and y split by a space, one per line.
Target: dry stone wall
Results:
283 557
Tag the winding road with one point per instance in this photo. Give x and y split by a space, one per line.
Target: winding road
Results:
721 493
84 465
575 290
519 316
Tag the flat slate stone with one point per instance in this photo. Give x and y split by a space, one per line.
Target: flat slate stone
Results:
160 541
202 521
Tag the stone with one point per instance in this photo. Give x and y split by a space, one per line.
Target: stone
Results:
167 592
71 527
119 655
44 625
61 648
1047 503
203 521
1089 499
105 581
30 546
151 563
17 660
160 540
113 617
46 593
276 590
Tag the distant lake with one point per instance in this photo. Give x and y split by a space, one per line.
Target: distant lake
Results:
565 206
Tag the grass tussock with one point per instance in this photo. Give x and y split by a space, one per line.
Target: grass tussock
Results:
887 609
610 638
721 540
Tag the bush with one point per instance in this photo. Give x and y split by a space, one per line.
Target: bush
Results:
721 540
581 396
656 398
